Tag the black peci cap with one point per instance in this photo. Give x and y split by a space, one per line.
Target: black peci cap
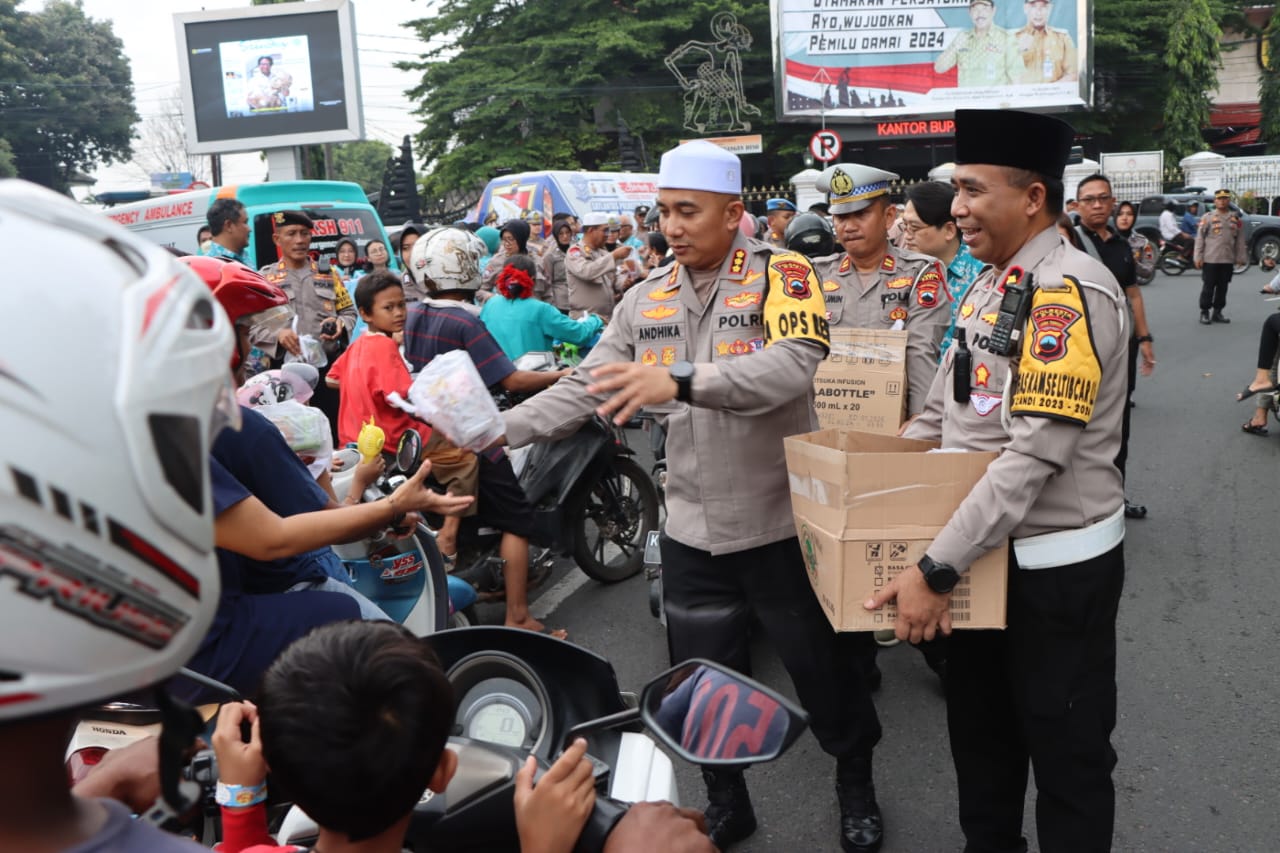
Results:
292 217
1031 141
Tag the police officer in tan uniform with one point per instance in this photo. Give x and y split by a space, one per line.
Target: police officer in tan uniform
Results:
873 284
323 307
987 55
591 271
1050 403
778 213
1048 54
724 343
1219 246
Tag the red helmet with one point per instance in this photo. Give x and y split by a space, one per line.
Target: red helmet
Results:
243 293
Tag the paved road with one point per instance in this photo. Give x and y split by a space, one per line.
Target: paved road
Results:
1198 724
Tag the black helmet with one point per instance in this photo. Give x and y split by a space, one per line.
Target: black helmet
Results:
811 235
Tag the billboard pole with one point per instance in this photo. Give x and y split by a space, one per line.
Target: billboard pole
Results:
282 164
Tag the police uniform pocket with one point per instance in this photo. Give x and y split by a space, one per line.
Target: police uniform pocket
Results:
327 297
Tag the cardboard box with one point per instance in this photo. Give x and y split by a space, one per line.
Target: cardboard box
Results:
868 506
862 384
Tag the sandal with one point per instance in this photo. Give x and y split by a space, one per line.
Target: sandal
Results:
1249 392
1253 429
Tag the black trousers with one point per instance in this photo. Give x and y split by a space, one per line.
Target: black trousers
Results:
1122 457
1269 342
1213 294
1043 693
709 600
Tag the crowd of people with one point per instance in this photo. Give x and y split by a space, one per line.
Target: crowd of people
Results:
689 309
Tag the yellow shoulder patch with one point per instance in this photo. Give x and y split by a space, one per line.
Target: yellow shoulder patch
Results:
1059 372
341 297
793 305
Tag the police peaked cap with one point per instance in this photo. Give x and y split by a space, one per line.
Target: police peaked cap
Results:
1031 141
281 218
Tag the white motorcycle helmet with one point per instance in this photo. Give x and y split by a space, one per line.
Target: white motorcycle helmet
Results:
108 578
447 259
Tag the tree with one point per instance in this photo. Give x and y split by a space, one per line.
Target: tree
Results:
1269 90
361 162
1192 59
516 86
1130 81
8 168
162 143
66 100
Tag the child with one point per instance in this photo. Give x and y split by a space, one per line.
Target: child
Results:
352 720
372 368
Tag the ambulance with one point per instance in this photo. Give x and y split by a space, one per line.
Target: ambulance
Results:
339 210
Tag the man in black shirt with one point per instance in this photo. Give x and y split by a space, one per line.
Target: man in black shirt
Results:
1096 205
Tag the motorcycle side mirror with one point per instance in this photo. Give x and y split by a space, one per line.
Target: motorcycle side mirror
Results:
409 450
712 716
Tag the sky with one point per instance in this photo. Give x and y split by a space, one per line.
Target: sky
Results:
147 32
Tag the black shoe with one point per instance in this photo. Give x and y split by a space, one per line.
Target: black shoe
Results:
1218 318
1134 510
1204 317
729 815
861 825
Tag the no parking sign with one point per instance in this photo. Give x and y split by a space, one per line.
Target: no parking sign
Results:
825 146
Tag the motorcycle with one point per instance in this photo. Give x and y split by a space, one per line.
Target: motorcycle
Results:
525 694
652 548
403 574
1175 258
591 501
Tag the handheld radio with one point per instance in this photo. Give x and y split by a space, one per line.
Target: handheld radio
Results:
1011 319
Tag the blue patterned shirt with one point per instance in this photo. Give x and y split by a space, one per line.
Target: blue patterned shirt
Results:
217 250
961 272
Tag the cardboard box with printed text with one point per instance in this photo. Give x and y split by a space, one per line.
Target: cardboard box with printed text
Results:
867 506
862 384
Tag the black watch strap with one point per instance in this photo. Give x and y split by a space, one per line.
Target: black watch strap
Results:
939 576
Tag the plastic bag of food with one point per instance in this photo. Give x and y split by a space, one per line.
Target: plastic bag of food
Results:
305 430
450 395
312 352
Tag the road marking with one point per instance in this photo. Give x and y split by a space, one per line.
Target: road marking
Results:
546 604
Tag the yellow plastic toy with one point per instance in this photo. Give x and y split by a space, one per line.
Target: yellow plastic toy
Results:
370 441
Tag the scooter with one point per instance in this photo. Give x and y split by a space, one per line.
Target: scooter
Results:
525 694
404 575
1174 259
652 548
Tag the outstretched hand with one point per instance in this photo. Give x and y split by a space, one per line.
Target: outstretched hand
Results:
633 385
551 814
415 496
660 826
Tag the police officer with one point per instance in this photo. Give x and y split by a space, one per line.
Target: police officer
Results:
1050 404
1048 54
778 214
724 343
873 284
323 307
1219 246
536 245
987 55
591 270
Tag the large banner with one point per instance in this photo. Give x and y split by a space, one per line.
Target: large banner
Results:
866 60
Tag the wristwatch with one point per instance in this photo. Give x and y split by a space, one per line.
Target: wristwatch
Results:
939 576
1146 339
682 373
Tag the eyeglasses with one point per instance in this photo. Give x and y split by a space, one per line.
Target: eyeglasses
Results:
915 227
1093 200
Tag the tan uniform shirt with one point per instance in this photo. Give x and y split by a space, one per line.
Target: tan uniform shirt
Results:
489 278
413 292
1220 238
552 266
591 275
727 489
910 287
1050 57
1053 473
989 59
314 299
